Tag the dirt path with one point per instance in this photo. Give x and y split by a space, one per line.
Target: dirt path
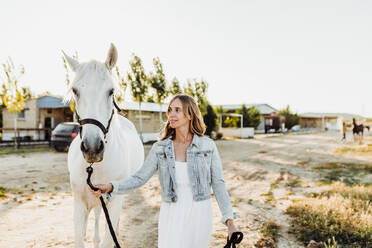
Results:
262 177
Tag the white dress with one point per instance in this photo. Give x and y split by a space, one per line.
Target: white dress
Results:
185 223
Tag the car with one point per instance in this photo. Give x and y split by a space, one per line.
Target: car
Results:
295 128
63 135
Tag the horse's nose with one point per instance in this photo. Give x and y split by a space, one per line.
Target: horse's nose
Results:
83 148
101 146
92 148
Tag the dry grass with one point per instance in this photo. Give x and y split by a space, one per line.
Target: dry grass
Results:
303 163
355 150
344 165
343 212
4 192
269 234
350 173
270 230
360 192
25 149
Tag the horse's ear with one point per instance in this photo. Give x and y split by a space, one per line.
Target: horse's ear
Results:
112 57
72 62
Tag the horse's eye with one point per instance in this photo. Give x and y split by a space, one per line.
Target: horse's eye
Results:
75 91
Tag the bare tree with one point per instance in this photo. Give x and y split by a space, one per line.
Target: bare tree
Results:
12 96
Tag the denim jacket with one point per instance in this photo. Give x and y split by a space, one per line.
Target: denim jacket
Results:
204 170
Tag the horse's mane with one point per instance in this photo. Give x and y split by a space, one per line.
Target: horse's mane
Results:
92 66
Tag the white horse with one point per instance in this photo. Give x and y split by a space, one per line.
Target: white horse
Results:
115 155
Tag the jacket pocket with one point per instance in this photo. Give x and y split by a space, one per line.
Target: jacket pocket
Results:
203 170
163 169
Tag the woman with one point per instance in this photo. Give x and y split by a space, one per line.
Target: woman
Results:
188 164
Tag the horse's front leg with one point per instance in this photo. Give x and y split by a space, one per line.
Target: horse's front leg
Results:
80 222
114 209
97 213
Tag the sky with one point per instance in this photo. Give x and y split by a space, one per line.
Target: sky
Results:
315 56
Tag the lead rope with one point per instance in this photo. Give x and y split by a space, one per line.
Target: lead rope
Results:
90 171
236 238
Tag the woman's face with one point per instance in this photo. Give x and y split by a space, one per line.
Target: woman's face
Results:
176 117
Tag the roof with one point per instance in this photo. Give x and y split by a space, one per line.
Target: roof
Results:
264 108
145 106
57 102
330 115
51 102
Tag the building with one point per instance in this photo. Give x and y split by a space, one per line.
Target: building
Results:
329 121
269 115
153 117
43 114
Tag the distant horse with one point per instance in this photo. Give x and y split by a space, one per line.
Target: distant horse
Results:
358 131
107 139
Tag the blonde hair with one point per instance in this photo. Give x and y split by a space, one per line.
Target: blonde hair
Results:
190 108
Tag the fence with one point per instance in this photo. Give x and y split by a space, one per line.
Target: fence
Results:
25 136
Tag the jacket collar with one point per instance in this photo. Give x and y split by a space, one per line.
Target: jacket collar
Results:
195 141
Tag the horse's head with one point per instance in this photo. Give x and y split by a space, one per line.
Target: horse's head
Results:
92 91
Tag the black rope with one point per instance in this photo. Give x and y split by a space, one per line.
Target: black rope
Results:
90 171
236 238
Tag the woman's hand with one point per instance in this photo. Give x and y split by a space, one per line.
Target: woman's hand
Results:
102 189
231 227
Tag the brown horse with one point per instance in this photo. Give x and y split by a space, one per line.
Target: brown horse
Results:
358 131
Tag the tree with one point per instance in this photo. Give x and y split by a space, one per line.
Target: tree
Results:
251 116
158 82
254 117
138 83
232 121
210 120
189 89
123 85
291 119
198 90
201 88
174 87
137 79
246 118
12 96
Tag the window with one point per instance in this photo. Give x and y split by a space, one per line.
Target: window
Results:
49 111
21 115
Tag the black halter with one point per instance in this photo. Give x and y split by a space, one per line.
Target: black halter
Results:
97 123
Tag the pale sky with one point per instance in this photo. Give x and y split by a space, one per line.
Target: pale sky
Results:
315 56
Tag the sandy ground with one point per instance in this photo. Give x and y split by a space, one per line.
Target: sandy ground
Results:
38 210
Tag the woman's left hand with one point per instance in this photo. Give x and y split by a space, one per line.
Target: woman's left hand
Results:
231 227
